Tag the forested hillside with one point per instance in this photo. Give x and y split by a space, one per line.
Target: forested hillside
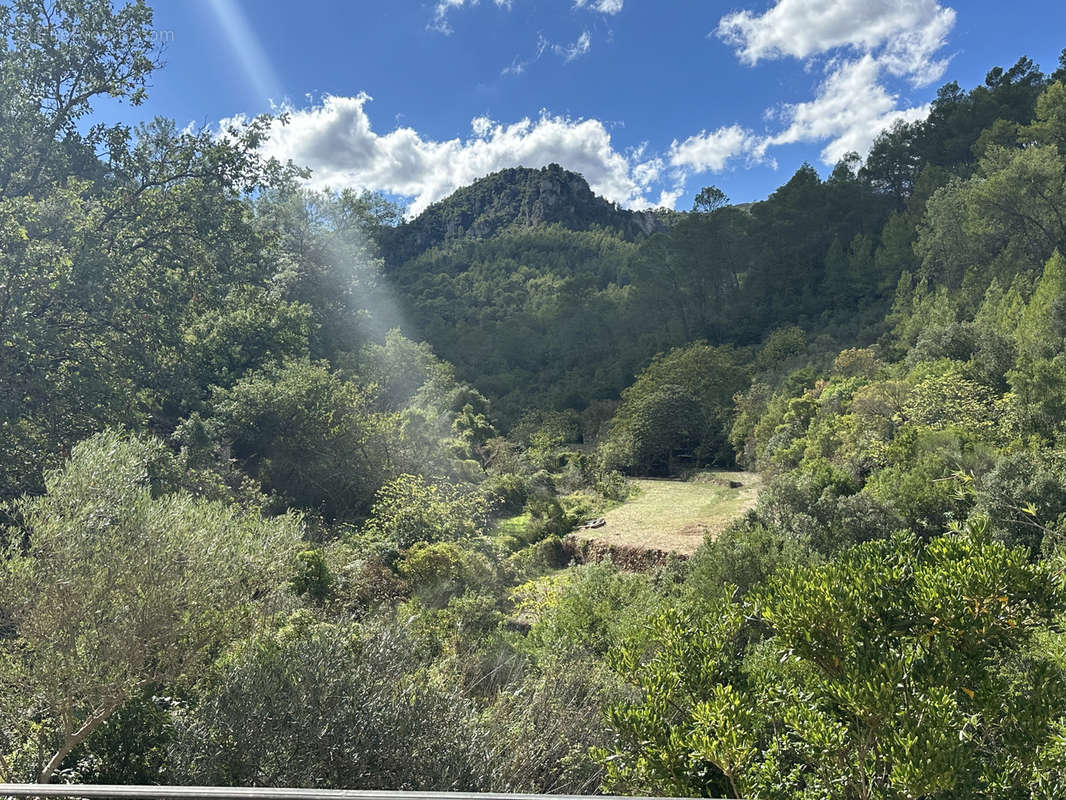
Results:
285 479
523 299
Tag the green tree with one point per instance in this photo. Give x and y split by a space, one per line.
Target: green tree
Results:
1049 127
709 198
1009 217
682 403
56 59
1039 377
110 588
326 259
307 434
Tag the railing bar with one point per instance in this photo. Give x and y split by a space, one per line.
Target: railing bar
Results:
104 792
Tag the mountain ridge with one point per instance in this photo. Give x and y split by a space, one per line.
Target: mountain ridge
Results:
517 196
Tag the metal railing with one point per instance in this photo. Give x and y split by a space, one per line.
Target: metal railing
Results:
103 792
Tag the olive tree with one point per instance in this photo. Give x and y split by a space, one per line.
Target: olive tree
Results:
336 706
111 585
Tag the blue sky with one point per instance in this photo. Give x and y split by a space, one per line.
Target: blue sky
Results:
649 100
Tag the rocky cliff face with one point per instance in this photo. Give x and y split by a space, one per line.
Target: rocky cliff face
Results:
518 196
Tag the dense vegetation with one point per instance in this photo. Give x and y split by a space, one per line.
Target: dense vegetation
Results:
284 479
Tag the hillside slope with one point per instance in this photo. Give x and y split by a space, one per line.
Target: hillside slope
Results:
520 197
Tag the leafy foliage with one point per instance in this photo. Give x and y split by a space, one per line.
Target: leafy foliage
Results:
120 589
260 722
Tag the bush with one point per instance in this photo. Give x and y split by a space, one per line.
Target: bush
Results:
408 510
744 555
113 590
897 669
313 577
438 571
332 707
537 559
543 726
132 747
584 611
813 506
506 493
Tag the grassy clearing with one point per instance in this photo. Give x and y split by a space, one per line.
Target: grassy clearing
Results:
675 516
513 526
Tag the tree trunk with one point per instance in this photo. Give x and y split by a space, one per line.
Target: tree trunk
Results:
72 740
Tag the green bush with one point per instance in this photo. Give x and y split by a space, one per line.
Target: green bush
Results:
313 577
506 493
114 589
536 559
585 611
435 572
898 669
409 509
329 706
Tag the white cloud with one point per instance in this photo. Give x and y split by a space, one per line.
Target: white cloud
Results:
568 52
860 42
668 199
850 109
648 172
518 65
801 28
577 49
336 140
603 6
912 53
444 7
710 152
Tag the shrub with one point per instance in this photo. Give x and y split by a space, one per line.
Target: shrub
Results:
438 571
313 577
506 493
327 706
408 510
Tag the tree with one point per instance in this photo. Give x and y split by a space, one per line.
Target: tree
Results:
1039 376
55 59
325 258
114 294
1009 217
710 198
308 434
112 585
1049 127
682 402
692 272
893 163
652 427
